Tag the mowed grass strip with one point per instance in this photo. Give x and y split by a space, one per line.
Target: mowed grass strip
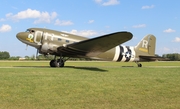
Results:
34 85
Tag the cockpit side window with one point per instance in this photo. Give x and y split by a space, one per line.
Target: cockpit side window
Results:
30 31
27 30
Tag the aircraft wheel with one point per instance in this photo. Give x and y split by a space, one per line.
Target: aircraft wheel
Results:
139 65
61 62
53 63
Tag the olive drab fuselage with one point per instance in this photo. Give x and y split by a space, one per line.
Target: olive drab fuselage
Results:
48 41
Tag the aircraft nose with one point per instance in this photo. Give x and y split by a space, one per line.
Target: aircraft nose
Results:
21 36
18 36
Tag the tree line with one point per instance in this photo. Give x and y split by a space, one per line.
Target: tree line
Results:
4 55
172 57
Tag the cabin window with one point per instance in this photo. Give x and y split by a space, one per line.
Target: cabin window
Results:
67 41
59 39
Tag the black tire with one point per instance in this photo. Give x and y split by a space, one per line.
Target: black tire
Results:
139 65
53 63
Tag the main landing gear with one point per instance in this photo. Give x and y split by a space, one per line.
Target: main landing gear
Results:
58 63
139 64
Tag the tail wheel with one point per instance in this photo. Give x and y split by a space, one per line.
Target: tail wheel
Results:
139 65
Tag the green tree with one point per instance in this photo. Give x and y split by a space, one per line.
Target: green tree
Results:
172 57
14 58
4 55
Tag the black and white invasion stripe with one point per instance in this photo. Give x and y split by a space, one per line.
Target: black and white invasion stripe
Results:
124 54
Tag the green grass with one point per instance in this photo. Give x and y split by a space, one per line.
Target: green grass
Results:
89 85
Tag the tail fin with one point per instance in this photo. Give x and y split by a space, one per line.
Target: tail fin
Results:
147 46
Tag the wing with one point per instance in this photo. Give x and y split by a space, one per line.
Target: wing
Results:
93 47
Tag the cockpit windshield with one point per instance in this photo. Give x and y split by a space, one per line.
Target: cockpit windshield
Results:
30 31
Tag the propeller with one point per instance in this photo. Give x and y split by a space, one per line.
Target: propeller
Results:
26 46
37 53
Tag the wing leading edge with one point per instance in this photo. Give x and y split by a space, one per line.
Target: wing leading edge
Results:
93 47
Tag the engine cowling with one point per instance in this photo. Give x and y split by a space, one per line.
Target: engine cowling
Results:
47 48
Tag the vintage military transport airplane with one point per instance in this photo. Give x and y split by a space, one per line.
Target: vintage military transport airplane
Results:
106 47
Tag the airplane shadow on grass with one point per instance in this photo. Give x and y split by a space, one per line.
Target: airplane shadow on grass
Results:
87 68
72 67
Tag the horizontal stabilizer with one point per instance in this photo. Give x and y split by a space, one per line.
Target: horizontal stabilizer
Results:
154 58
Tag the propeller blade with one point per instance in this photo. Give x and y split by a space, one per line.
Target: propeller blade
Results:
26 46
37 53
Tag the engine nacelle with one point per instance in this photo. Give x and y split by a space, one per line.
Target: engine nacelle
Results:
47 48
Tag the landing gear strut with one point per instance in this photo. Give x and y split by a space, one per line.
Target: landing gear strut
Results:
58 63
139 64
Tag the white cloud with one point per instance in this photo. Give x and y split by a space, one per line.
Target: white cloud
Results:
166 50
98 1
147 7
29 13
14 7
63 23
107 3
169 30
139 26
5 28
33 14
107 26
91 21
9 15
46 17
177 39
85 33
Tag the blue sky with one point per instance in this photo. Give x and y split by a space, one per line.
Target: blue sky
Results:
92 18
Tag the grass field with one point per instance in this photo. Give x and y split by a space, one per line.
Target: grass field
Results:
89 85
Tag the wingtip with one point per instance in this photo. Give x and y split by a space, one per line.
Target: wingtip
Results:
130 35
